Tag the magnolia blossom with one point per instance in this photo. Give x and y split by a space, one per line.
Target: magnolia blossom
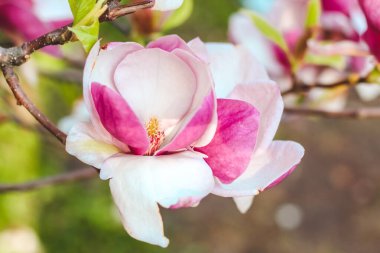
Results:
161 137
343 21
28 19
257 162
371 9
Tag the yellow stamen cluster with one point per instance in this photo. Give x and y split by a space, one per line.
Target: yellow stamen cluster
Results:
156 137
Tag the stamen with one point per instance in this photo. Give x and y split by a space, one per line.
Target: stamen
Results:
156 137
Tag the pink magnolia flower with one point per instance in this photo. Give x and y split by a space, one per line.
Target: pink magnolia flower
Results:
243 156
372 34
28 19
342 22
149 108
159 134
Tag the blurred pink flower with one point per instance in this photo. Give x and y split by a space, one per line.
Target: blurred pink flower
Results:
27 19
371 9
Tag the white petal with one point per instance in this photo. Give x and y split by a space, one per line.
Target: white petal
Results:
79 114
52 10
243 32
138 183
167 5
232 65
81 143
244 203
368 92
265 168
157 84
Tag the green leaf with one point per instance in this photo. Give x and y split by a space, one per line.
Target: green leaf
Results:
313 15
267 30
88 35
80 9
334 61
179 16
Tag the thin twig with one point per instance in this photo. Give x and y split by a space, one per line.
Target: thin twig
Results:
16 56
362 113
22 99
72 176
299 86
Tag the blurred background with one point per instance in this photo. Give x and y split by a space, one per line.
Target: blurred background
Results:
330 203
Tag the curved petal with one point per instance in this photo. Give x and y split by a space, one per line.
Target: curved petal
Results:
265 168
81 143
242 32
230 150
119 119
199 48
198 127
156 84
167 5
267 99
244 203
169 43
100 66
138 183
233 65
371 9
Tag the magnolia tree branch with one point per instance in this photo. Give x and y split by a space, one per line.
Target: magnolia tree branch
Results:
22 99
299 86
16 56
362 113
78 175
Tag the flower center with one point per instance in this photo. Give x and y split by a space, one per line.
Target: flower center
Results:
156 137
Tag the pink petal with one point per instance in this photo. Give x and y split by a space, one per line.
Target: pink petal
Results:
100 67
169 43
265 168
371 9
199 48
268 101
343 6
119 119
230 151
195 128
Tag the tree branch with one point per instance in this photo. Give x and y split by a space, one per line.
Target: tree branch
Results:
299 86
72 176
22 99
16 56
362 113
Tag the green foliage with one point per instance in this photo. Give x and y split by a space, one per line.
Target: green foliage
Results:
179 16
86 20
267 30
313 15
